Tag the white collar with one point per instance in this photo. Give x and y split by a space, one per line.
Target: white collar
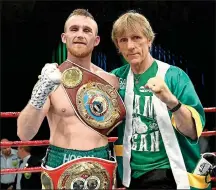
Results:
26 158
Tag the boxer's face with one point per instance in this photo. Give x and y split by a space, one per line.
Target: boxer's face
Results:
80 36
134 46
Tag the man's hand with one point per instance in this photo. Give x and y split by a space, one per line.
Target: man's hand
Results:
49 80
160 89
51 72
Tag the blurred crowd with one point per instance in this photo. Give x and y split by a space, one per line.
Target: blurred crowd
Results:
19 158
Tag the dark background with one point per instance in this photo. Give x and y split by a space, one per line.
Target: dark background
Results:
30 31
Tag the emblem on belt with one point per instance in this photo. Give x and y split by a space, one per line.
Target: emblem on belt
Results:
46 181
72 77
84 175
97 104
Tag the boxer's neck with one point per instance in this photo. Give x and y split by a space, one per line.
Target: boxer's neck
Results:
83 62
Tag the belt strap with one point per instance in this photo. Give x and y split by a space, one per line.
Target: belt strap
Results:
96 103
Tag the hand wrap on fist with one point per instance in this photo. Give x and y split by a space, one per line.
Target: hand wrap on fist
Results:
49 80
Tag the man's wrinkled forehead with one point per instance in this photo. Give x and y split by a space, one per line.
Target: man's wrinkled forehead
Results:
129 31
81 21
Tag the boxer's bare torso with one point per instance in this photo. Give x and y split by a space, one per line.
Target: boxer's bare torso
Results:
66 129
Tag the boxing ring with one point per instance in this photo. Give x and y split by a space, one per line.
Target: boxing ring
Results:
46 143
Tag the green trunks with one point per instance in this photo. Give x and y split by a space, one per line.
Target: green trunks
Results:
57 156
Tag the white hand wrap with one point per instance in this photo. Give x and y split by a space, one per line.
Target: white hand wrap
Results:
49 80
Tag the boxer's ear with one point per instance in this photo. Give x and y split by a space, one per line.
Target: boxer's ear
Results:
63 37
97 40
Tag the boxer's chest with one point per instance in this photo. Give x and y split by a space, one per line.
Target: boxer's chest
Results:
60 103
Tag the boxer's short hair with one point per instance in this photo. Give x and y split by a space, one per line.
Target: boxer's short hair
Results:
80 12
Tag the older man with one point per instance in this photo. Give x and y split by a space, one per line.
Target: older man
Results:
164 119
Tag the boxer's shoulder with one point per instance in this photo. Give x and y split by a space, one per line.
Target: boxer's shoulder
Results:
94 68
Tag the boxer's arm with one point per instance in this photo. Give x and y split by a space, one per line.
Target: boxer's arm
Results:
30 120
33 114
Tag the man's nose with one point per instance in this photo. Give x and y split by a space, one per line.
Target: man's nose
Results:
130 44
80 34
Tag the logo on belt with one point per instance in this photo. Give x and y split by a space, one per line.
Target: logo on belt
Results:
46 181
72 77
84 175
97 105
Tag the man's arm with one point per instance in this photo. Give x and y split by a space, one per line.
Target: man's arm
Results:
189 120
33 114
30 119
186 119
183 119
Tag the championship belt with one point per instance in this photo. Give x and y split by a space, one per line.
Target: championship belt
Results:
81 173
94 100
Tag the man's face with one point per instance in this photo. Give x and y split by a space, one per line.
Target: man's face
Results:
134 46
6 150
19 152
80 36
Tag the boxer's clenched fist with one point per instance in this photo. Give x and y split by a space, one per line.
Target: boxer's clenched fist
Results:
51 72
158 86
49 80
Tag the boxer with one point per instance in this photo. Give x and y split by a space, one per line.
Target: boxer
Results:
81 109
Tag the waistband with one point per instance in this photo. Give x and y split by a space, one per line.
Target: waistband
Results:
57 156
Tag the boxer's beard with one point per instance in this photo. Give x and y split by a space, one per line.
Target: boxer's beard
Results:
80 53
